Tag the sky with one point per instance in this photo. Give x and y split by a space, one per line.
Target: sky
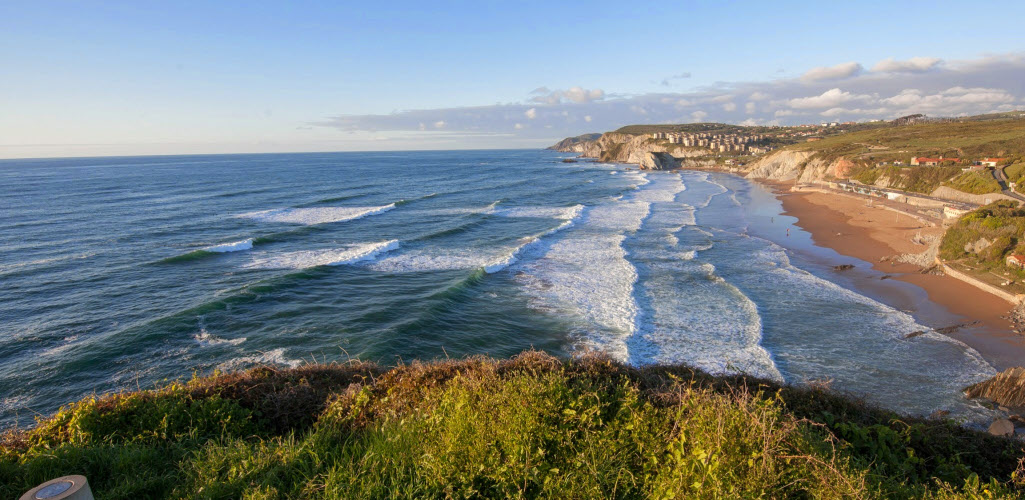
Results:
134 78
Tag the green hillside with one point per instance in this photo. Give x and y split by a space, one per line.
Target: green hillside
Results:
531 427
971 139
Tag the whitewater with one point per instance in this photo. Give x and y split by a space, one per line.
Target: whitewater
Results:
147 269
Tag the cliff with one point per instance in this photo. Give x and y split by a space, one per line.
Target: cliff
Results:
574 144
628 148
533 426
1007 388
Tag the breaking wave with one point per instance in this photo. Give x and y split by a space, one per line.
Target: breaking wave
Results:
305 259
316 215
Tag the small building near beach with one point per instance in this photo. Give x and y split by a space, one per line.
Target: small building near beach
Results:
1016 260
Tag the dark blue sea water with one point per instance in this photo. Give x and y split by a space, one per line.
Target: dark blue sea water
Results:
122 272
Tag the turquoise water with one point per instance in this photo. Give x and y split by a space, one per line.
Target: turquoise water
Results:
121 272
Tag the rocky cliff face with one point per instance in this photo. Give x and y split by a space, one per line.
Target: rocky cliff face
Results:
654 161
574 144
1006 388
638 149
798 165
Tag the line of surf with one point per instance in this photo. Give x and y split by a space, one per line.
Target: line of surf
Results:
305 259
309 216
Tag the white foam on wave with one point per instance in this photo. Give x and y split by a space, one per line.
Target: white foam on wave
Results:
587 275
206 339
236 246
312 258
564 213
861 342
459 210
700 319
272 357
316 215
663 189
490 260
526 243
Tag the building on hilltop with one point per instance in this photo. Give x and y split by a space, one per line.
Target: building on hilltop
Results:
932 162
991 162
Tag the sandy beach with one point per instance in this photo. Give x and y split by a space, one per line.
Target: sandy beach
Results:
854 227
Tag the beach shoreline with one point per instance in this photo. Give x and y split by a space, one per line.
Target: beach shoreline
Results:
869 231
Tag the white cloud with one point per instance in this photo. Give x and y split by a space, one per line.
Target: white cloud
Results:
837 72
530 113
828 99
950 88
439 124
518 126
913 65
729 106
573 94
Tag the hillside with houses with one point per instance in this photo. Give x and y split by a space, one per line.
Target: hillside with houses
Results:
971 160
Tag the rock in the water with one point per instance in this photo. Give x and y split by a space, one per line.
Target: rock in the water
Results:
1007 388
1001 427
939 414
568 160
843 267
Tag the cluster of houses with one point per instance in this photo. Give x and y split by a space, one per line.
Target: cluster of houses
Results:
926 161
722 143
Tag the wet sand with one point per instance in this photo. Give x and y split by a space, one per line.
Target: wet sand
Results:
852 227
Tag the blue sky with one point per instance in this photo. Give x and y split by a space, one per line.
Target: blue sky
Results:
95 78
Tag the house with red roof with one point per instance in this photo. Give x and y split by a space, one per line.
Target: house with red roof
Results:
1015 260
991 162
931 162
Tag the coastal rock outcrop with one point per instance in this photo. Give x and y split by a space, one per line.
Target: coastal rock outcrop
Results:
627 148
1001 427
1006 388
575 144
799 166
780 166
654 161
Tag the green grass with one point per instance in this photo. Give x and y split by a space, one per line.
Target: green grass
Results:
1001 223
1015 172
923 180
972 139
532 427
975 183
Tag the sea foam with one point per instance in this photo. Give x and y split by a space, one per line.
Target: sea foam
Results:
304 259
316 215
237 246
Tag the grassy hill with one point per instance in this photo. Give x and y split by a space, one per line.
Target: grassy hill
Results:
981 240
533 426
970 138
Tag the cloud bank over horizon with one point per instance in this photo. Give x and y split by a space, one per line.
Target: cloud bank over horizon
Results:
844 92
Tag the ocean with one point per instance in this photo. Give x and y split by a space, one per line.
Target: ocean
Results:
120 273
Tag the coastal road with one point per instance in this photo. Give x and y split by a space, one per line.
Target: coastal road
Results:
1004 185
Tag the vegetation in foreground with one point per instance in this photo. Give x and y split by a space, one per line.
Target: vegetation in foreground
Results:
533 426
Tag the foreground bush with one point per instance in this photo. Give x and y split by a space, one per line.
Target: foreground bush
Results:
533 426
